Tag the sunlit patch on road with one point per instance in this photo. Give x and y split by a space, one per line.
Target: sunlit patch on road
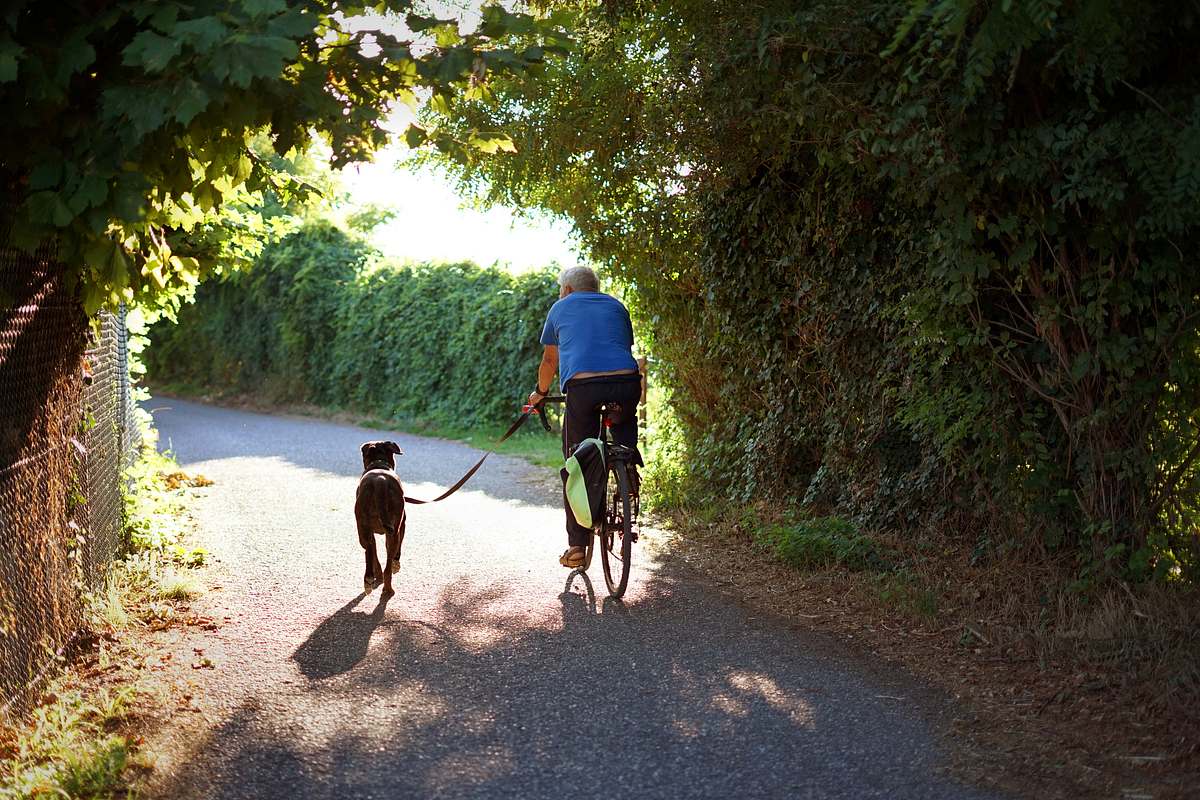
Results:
493 672
762 686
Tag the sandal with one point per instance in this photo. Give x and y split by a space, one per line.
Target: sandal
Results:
573 557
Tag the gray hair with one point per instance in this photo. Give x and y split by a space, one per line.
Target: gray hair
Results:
581 279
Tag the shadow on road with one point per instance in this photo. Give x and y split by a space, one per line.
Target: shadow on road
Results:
339 643
577 607
670 695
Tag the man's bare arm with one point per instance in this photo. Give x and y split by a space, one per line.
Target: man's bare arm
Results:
546 371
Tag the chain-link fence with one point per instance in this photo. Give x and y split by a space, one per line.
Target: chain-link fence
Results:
66 430
110 441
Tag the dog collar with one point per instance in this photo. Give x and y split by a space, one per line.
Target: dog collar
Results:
379 465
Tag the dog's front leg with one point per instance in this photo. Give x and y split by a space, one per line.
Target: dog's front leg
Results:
373 573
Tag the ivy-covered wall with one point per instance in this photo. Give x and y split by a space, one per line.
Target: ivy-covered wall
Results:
909 262
321 319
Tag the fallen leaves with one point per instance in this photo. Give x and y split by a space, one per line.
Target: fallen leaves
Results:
179 479
203 662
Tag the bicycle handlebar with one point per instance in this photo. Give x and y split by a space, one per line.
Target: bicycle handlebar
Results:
539 409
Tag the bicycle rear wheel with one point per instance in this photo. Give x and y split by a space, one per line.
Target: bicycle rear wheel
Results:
616 534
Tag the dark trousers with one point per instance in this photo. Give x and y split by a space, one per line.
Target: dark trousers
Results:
582 420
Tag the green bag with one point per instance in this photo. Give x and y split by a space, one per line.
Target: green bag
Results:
584 480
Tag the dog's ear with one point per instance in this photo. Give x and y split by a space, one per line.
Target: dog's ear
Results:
394 448
366 446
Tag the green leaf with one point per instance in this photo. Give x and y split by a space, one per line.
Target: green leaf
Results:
202 34
418 23
1081 366
243 168
191 99
394 50
415 136
128 196
62 212
262 8
152 51
294 24
281 47
49 208
455 64
118 267
92 191
98 252
10 51
447 35
145 108
187 267
257 57
93 298
164 18
491 143
495 23
45 175
203 195
74 57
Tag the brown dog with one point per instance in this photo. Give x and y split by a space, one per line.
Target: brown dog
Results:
379 508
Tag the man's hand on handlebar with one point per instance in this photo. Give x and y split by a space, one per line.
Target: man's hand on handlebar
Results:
536 404
537 400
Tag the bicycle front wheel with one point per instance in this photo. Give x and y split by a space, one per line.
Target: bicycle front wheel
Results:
616 534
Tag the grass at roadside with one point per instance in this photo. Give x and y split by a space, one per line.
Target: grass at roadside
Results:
72 745
531 443
80 739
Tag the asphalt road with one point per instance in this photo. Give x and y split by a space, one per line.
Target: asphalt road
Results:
493 672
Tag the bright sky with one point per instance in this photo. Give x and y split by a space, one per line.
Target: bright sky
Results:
433 224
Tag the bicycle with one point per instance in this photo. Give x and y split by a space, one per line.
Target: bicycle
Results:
618 528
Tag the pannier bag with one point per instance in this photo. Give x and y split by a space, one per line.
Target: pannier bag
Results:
584 479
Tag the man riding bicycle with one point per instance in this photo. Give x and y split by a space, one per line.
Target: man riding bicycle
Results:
588 340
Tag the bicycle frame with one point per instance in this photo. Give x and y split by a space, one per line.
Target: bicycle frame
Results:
621 466
620 452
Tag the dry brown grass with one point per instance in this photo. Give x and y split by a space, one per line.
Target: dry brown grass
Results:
1062 695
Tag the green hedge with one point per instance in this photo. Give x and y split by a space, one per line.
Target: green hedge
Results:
929 266
321 319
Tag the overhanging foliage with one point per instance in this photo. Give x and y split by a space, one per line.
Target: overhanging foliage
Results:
127 124
924 265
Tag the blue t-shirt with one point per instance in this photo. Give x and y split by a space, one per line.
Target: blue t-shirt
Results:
592 332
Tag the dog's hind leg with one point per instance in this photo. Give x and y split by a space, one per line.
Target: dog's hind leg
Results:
395 560
372 576
393 555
